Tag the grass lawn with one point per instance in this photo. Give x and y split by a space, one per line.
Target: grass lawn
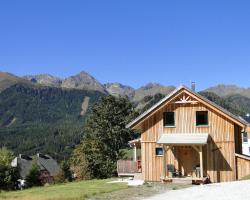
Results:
246 177
68 191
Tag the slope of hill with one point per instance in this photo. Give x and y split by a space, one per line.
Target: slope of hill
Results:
151 89
227 90
232 106
137 95
236 104
7 80
149 101
50 119
118 89
44 79
44 119
83 81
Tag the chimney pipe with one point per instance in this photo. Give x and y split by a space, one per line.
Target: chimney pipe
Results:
193 86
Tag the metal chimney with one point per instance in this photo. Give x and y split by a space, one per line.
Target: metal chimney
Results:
193 86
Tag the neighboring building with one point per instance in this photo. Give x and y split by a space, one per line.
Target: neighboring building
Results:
245 144
186 135
48 166
246 138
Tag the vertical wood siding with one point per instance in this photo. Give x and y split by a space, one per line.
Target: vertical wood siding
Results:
219 152
243 166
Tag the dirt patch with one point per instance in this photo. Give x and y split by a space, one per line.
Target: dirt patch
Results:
140 192
85 105
12 122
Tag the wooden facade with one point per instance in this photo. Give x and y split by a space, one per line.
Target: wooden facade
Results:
218 155
243 165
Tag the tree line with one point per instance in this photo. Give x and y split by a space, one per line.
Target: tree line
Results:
101 140
105 133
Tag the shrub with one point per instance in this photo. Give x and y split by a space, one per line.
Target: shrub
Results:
8 175
64 174
33 176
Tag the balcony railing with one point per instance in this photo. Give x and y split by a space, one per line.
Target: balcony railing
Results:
128 166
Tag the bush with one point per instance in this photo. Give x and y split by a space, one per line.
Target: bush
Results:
33 176
80 165
64 174
8 175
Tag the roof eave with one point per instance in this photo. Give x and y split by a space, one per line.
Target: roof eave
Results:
140 117
147 112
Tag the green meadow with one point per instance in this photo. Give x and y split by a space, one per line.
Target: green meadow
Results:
68 191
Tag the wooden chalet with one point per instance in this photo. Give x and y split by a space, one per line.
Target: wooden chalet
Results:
47 165
186 135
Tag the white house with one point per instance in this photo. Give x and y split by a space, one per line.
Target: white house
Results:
245 144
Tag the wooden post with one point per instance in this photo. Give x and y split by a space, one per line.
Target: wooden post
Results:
199 150
135 153
165 150
201 162
164 162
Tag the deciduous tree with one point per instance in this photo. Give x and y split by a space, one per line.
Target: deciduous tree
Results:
106 134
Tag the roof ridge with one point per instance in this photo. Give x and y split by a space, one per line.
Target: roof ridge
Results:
140 117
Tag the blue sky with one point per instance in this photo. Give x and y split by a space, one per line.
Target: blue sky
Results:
129 41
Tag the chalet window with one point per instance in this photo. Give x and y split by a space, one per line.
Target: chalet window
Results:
169 119
201 118
159 151
244 137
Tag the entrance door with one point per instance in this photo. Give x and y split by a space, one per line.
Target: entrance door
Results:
188 159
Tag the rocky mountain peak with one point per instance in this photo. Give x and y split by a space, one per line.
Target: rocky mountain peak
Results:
44 79
83 80
151 89
117 89
151 86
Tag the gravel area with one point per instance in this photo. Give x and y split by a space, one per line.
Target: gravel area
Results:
140 192
219 191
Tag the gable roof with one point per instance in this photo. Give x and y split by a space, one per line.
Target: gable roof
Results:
45 162
162 102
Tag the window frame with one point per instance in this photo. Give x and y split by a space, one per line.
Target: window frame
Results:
196 117
164 119
157 151
244 137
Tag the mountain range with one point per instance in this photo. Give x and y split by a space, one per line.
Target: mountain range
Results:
44 113
85 81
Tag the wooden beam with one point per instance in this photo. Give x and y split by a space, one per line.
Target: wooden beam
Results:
168 148
164 162
196 148
184 102
135 153
165 150
199 150
201 161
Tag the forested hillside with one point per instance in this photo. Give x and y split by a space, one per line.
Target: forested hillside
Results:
43 119
43 113
236 104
